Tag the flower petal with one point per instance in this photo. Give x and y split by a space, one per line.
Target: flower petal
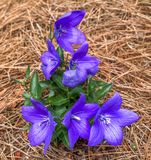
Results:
30 114
48 138
96 134
88 110
79 104
65 44
89 63
38 133
72 78
73 136
83 127
39 106
73 35
81 52
71 18
113 133
125 117
112 105
67 119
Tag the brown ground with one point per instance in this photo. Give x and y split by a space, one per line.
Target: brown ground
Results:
119 33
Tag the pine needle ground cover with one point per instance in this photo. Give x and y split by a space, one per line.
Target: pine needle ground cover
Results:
118 33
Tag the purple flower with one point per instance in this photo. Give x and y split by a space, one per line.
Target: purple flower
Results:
50 60
77 120
66 32
81 65
109 121
42 122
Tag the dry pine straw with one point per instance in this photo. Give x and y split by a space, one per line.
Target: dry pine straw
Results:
119 33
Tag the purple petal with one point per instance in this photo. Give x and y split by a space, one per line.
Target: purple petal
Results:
89 63
113 133
83 127
81 52
71 18
30 114
73 135
73 36
125 117
72 78
112 105
88 110
67 119
96 134
79 104
65 44
48 138
38 133
51 49
39 106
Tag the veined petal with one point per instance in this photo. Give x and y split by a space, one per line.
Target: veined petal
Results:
71 18
124 117
81 52
48 138
113 133
89 63
79 104
112 105
65 44
72 78
88 110
83 127
51 49
73 35
67 119
38 133
73 136
39 106
30 114
96 134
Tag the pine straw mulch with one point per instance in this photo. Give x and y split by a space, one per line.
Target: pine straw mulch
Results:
119 33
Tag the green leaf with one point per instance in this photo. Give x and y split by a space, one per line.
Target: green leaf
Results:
100 93
65 138
45 84
27 102
26 95
76 91
35 88
60 110
27 73
61 54
57 79
58 101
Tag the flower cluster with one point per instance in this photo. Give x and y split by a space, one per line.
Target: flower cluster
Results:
58 115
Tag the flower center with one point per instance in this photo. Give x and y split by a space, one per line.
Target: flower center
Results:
76 117
105 119
59 31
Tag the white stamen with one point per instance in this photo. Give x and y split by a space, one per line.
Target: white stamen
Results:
76 118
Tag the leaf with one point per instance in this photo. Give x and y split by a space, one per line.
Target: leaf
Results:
65 138
100 93
35 88
61 54
58 100
26 95
27 73
60 110
58 80
76 91
27 102
45 84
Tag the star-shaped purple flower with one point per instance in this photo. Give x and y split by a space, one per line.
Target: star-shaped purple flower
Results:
109 121
50 61
66 32
76 120
81 65
42 122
